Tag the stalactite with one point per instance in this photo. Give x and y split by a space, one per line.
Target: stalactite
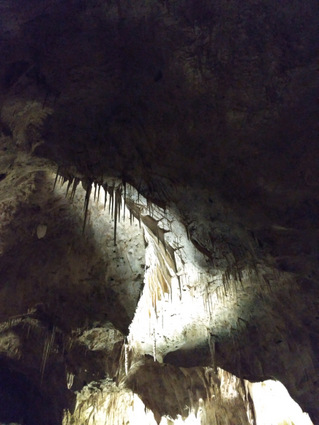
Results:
154 345
267 282
211 343
118 197
179 287
116 207
76 181
191 400
70 181
46 351
126 358
104 185
117 202
131 217
124 200
149 207
224 279
95 190
56 177
236 289
187 232
69 380
149 322
208 304
111 200
86 203
28 331
98 192
62 180
240 275
217 294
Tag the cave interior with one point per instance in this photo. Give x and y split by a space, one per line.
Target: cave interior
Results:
159 205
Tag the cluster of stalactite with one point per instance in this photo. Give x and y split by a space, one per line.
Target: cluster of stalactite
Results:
32 326
166 277
17 326
142 209
115 196
168 261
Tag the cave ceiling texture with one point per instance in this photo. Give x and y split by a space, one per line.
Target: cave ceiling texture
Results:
159 205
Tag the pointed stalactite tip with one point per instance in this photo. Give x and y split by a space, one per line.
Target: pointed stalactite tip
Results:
86 203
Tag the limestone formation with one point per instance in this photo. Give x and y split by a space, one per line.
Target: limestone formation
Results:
159 203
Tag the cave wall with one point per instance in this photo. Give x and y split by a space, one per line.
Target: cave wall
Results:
209 110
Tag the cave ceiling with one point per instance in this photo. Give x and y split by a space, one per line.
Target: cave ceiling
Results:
199 113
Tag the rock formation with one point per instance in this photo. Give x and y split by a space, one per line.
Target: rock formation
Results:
159 202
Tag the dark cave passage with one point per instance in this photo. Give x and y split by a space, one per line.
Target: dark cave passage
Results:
23 402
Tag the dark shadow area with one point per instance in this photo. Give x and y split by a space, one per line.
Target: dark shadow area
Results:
192 357
14 71
22 402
